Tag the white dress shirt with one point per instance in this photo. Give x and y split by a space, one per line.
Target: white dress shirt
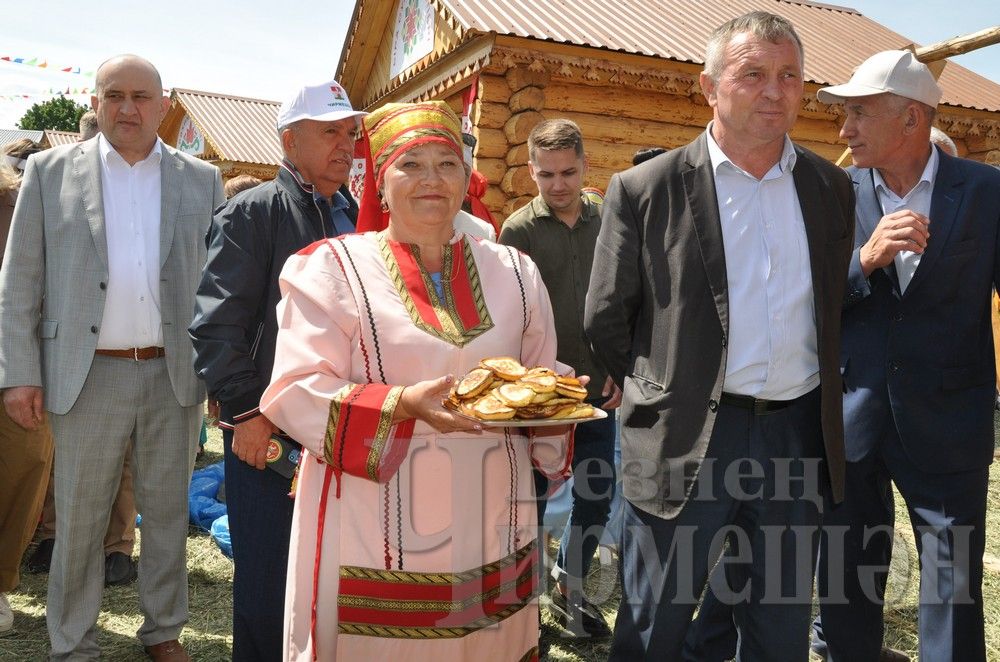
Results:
772 347
918 200
132 227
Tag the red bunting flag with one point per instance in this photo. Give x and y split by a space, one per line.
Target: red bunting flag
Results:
43 63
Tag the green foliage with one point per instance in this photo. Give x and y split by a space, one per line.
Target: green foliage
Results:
59 113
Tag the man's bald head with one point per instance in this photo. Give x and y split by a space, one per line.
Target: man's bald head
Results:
126 59
130 105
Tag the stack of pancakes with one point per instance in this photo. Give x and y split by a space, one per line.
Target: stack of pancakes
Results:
502 389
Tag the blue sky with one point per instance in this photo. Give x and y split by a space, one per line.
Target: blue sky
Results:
266 49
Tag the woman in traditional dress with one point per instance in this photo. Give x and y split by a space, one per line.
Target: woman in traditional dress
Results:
414 529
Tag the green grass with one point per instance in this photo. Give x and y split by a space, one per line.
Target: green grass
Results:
208 635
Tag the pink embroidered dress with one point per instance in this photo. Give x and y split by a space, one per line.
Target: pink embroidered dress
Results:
407 544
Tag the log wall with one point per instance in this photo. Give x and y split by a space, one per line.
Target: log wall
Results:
621 109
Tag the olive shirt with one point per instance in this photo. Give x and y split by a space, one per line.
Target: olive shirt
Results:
564 256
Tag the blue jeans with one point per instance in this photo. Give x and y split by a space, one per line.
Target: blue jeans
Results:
260 524
593 486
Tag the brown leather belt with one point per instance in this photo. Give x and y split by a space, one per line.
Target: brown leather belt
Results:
758 407
134 353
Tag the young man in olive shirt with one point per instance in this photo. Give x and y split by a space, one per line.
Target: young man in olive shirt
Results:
558 230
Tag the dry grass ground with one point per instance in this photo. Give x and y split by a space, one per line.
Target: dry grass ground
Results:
208 633
900 612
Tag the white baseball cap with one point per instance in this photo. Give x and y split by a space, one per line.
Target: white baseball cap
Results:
897 72
326 102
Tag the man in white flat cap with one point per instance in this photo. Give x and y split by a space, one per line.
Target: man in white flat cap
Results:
917 362
234 332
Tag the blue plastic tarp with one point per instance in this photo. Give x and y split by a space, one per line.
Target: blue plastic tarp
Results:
204 508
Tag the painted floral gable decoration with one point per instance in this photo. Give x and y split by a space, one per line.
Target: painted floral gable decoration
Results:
413 37
189 138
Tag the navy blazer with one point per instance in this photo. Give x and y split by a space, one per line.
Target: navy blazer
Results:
922 361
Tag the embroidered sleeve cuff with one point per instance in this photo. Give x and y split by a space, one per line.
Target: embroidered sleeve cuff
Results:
360 437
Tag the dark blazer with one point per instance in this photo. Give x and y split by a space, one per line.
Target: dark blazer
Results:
657 312
235 321
923 360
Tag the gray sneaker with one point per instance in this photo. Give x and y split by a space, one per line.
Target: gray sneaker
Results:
6 615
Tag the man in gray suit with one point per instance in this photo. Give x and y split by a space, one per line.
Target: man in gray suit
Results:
715 302
96 293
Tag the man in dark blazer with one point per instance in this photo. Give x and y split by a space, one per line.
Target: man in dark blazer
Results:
715 302
918 368
234 329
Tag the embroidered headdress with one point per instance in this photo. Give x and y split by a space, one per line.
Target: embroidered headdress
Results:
392 130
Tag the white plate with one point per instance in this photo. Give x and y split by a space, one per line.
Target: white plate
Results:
535 423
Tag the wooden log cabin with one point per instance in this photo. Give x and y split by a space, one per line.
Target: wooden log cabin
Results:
236 134
627 73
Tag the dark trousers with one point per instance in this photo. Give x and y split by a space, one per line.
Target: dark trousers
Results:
593 487
260 522
948 515
712 636
761 491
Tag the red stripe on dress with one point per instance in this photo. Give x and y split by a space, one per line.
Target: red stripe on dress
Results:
523 573
461 289
519 594
311 248
364 411
320 525
414 282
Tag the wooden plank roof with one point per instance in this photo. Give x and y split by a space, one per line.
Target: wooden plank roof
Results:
8 136
61 137
237 128
836 39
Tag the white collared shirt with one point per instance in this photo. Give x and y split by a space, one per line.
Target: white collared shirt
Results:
918 200
132 227
772 347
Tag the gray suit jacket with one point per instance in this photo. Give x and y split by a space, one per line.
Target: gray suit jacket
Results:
658 312
55 270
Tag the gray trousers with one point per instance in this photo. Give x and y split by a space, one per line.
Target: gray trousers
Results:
123 402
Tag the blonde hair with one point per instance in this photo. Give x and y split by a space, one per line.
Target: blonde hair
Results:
10 179
944 141
88 125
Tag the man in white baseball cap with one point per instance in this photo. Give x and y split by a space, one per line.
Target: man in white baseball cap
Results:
318 127
916 344
234 332
893 72
326 102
